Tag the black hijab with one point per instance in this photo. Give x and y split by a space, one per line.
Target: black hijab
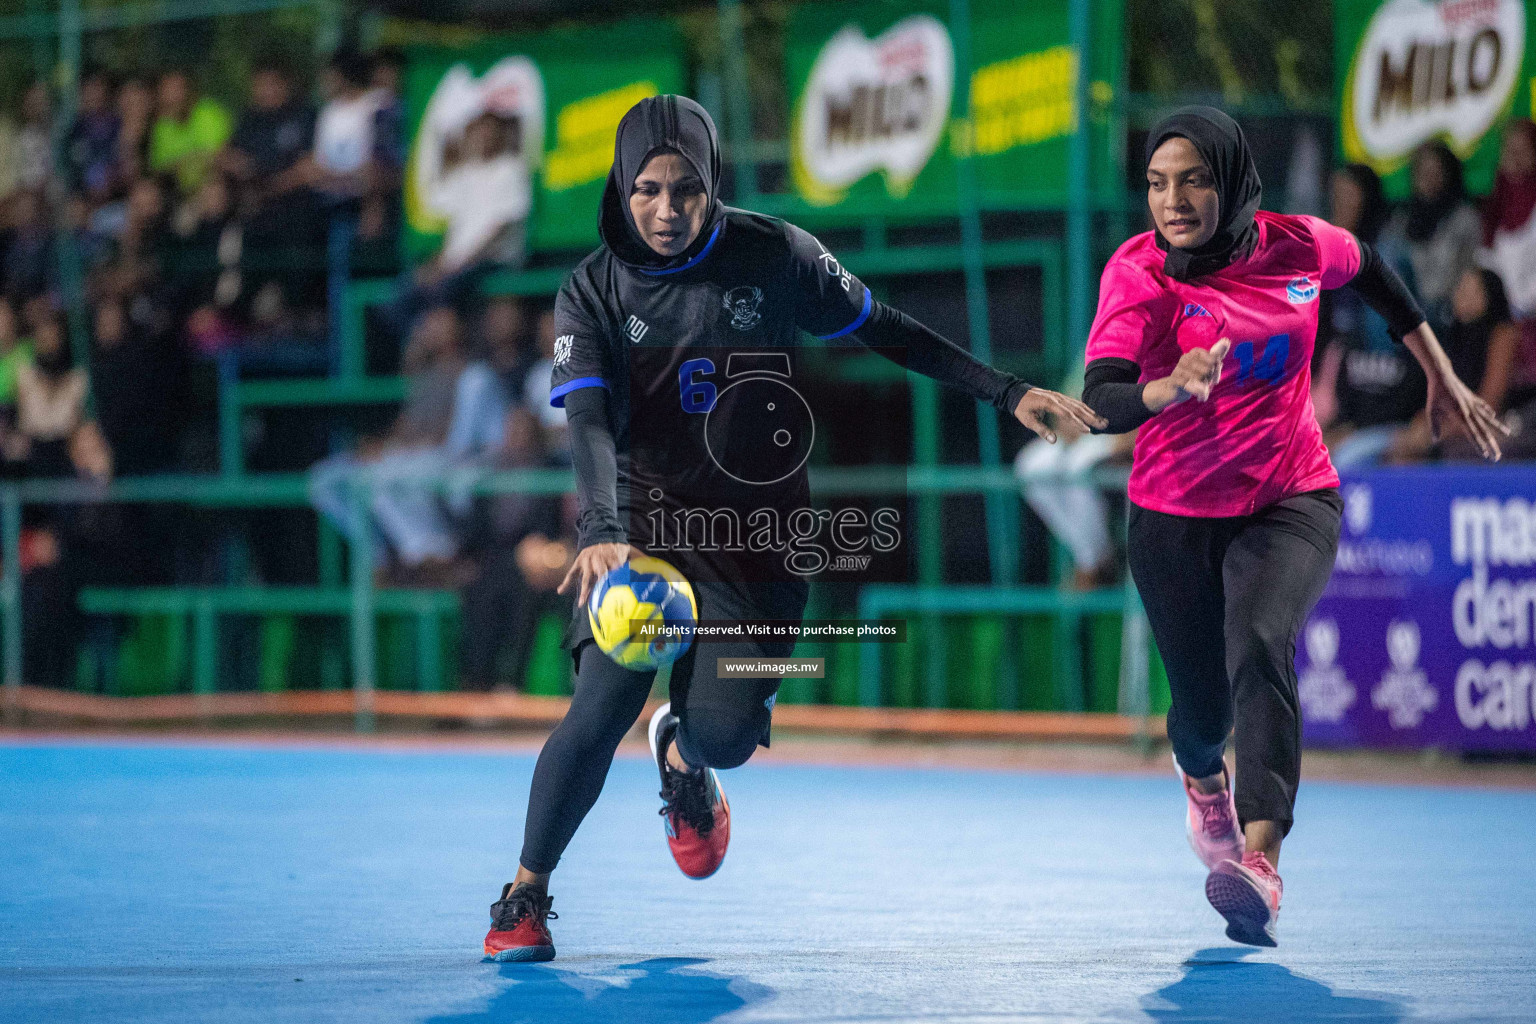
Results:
1425 215
1221 144
658 123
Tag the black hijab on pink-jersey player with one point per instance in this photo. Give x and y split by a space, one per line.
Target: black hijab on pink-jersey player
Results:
1224 149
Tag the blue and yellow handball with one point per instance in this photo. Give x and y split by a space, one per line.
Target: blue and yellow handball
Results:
643 590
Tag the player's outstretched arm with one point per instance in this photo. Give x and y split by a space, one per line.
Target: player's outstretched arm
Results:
1112 390
1450 401
601 540
1039 409
1197 372
833 303
931 354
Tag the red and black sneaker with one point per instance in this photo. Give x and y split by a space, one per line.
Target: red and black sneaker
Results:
518 929
697 817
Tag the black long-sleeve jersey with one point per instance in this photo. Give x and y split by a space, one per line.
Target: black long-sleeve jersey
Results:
699 364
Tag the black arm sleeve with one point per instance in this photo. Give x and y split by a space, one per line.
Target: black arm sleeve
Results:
932 355
1110 389
1384 291
597 469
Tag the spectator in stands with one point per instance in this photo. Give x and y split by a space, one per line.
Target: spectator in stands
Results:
536 388
56 435
146 222
91 151
271 138
342 164
1368 386
388 74
1076 513
136 116
522 545
1440 227
209 248
66 547
34 142
1509 227
131 377
94 247
380 214
502 328
420 522
485 195
14 351
10 155
188 133
29 249
423 421
1482 342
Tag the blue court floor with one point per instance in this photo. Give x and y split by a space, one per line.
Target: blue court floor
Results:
162 883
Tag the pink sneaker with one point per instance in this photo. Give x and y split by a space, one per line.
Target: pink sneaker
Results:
1211 823
1248 896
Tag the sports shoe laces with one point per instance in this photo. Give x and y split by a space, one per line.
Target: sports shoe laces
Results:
686 795
522 900
1256 862
1216 819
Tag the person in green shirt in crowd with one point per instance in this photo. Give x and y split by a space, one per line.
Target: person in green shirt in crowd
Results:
189 131
14 352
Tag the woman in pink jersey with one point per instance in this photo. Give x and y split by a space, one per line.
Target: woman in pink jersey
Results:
1235 505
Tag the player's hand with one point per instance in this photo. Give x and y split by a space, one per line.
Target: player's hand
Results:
1453 403
1198 371
1038 403
592 563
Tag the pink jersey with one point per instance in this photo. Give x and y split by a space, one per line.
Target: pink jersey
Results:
1256 441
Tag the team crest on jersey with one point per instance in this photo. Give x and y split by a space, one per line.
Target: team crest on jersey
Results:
1301 290
742 304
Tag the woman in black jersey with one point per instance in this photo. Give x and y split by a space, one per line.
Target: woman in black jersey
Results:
640 323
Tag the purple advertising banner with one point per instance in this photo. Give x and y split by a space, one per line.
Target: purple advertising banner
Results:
1425 635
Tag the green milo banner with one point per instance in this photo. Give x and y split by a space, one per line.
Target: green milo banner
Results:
1409 71
561 94
878 123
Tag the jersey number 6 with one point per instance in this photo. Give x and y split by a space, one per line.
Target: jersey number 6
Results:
696 395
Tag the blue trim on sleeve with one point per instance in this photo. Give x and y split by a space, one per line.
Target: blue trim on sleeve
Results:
693 262
557 395
858 322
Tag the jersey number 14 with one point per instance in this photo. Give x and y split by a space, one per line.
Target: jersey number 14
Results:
1267 366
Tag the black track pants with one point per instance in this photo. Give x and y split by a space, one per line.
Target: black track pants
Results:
1225 599
721 721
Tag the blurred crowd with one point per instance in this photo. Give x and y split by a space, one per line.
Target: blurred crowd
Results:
1473 266
201 234
477 399
189 229
1472 263
197 232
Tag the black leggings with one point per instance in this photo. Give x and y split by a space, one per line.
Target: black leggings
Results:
1225 599
721 721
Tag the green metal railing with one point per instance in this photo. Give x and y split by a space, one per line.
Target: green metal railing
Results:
875 259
